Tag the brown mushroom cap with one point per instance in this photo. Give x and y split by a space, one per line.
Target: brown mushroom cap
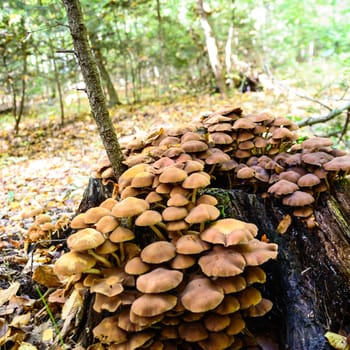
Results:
193 146
130 206
237 324
231 284
283 187
121 234
254 274
73 263
172 174
316 158
216 341
315 143
148 218
201 295
107 224
182 261
177 200
215 323
308 180
174 213
92 215
202 213
196 180
229 305
229 232
248 297
191 244
149 305
298 199
78 222
338 163
158 252
109 286
136 266
256 252
107 331
192 331
159 280
108 203
260 309
85 239
221 262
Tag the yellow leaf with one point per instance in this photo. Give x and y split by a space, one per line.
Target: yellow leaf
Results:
47 335
21 320
337 341
284 224
27 346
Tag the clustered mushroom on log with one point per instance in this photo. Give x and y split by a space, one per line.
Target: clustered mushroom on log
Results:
168 270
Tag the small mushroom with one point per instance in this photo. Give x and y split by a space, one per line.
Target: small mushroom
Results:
201 295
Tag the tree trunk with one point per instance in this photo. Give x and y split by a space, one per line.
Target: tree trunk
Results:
228 49
309 283
23 87
113 98
164 70
212 50
93 85
58 84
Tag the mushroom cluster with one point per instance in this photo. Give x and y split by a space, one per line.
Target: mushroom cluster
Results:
256 152
161 262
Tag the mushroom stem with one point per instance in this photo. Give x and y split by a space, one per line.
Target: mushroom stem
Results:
158 233
116 257
194 195
93 271
100 258
121 252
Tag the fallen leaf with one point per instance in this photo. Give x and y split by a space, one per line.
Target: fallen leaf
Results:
284 224
337 341
7 294
44 275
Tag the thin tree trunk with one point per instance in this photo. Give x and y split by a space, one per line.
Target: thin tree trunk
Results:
58 85
212 48
93 85
113 98
12 88
164 74
228 48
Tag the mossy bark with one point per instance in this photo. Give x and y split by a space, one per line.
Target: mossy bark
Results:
309 283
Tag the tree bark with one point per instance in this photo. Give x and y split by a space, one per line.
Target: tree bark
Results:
309 283
212 49
93 85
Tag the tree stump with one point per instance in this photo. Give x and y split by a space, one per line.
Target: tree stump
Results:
309 283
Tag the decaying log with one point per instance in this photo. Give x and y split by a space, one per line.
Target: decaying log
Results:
310 281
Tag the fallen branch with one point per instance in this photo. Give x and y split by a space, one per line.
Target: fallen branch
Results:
317 120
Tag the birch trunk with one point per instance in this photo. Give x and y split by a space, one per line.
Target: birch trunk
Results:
212 49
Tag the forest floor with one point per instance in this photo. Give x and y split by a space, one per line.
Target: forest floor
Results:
46 169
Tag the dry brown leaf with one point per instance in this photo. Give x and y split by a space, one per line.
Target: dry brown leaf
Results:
44 275
7 294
